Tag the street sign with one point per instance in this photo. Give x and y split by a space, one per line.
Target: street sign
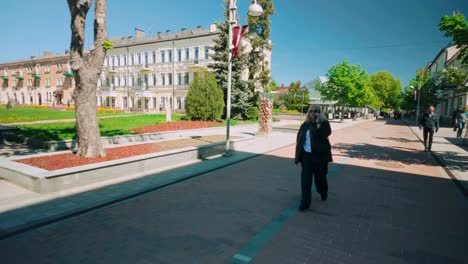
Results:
303 88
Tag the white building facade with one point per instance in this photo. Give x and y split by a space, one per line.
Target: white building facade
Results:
151 73
453 98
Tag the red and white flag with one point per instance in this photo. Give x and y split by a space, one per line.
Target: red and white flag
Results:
238 33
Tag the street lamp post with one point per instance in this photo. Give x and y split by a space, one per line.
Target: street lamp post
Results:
254 10
418 100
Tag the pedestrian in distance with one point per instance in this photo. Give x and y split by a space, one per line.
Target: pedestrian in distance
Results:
429 121
313 151
461 121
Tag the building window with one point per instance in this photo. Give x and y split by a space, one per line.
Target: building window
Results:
169 78
139 58
132 81
179 102
125 59
154 57
146 81
163 79
154 79
163 56
196 53
169 55
207 52
179 78
139 80
132 59
187 54
186 78
146 59
179 54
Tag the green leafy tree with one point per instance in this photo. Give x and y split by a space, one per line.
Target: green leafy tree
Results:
259 33
348 84
456 27
242 97
430 92
272 86
454 78
296 99
408 103
387 89
205 98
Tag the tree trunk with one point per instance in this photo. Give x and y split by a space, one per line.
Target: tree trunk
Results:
87 68
87 126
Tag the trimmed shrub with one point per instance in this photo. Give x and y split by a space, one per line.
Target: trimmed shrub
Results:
205 99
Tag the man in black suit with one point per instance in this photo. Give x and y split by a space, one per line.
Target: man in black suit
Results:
430 123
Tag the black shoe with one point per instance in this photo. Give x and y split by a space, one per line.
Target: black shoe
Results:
302 208
324 196
429 150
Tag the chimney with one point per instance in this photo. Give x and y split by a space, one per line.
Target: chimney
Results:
139 33
47 53
212 28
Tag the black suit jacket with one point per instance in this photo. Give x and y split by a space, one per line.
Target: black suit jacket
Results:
429 122
320 145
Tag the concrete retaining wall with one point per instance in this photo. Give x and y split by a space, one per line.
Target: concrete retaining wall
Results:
43 181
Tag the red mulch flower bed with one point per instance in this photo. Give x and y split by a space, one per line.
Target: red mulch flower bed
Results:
68 160
179 125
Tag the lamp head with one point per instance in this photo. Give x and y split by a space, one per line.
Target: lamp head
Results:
255 9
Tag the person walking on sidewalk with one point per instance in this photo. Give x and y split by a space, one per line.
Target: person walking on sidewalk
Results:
461 121
430 123
313 151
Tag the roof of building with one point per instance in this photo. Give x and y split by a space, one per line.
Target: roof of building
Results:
184 33
282 89
33 59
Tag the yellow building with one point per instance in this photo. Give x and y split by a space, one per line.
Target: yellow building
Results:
41 80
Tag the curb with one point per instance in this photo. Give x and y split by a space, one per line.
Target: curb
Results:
442 164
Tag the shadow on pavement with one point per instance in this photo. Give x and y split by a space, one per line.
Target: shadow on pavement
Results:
371 215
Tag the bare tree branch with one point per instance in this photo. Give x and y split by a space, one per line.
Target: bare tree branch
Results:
78 12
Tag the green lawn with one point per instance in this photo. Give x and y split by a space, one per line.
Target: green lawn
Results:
108 127
28 114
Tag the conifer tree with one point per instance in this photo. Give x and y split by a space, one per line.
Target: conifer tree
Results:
241 96
259 33
205 98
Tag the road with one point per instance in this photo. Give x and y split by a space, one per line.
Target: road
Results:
389 202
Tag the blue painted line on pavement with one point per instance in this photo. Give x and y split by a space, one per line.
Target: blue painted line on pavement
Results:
256 243
246 254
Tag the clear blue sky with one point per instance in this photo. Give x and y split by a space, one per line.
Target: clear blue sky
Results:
308 36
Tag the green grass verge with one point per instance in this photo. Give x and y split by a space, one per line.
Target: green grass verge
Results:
108 127
29 114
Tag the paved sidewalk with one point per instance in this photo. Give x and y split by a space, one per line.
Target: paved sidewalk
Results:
21 208
388 203
449 151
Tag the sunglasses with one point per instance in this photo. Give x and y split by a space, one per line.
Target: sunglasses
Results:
314 111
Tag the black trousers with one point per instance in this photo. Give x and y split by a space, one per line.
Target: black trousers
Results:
428 133
312 169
